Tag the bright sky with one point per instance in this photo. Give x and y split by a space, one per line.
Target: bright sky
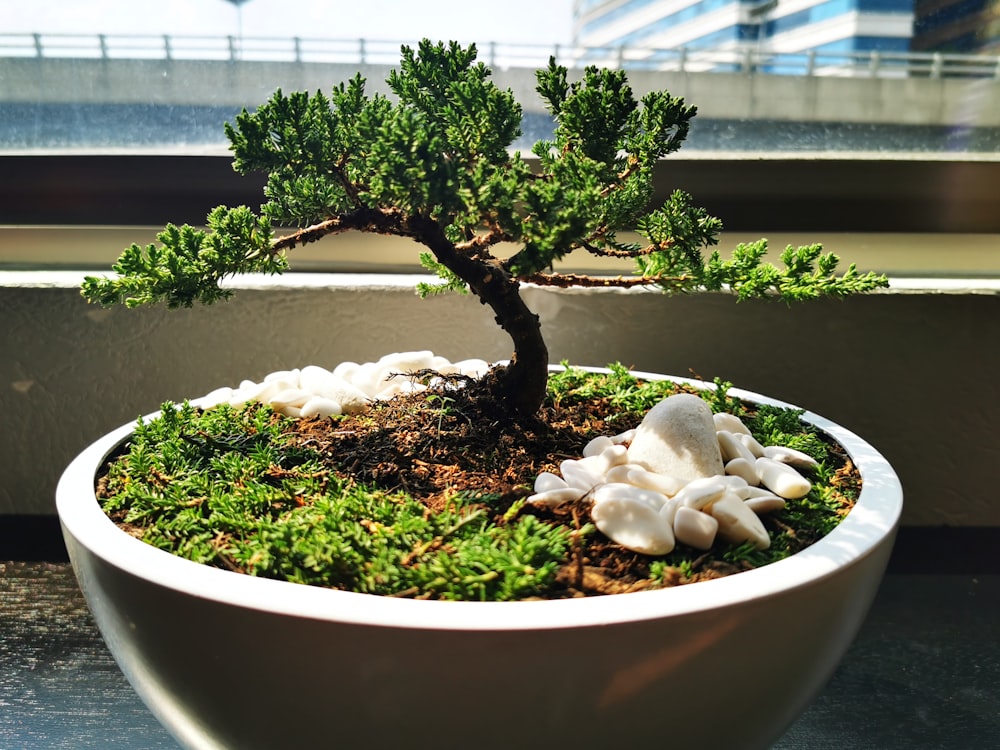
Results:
523 21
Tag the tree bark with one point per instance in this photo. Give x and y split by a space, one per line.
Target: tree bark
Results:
521 384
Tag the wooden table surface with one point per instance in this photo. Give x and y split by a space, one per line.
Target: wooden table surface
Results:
923 673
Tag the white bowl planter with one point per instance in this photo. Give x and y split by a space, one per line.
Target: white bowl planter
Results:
226 660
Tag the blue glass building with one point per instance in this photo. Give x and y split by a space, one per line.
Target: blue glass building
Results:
833 26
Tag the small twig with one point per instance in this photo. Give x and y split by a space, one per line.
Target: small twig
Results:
566 280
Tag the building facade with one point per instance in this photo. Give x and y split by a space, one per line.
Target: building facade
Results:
835 26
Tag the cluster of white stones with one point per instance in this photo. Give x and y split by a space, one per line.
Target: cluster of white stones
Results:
684 475
314 391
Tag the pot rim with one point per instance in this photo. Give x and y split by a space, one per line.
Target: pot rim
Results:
870 523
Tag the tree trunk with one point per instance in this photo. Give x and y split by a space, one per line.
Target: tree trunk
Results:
521 384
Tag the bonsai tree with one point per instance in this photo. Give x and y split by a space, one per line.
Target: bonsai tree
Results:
434 163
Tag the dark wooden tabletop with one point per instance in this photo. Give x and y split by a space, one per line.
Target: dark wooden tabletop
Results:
923 673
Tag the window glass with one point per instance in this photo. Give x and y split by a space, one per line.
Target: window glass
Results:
827 76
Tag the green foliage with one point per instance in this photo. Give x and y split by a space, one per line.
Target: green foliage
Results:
808 273
223 488
441 151
190 263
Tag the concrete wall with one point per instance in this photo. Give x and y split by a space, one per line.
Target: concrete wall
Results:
913 101
912 370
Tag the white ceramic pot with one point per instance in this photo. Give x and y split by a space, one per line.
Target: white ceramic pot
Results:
230 661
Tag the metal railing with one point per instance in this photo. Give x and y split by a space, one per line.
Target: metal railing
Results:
755 59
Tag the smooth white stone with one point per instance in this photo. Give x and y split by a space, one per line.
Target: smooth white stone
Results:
291 411
319 406
661 483
312 377
596 446
473 368
216 397
444 366
288 376
580 475
614 455
554 498
289 397
763 504
633 524
731 447
266 390
694 528
753 492
790 456
729 423
623 438
782 479
619 474
701 492
751 443
346 370
548 481
352 400
616 491
746 470
669 510
368 378
735 484
677 438
738 524
407 362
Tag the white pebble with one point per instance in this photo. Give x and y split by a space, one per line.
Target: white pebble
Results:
765 503
444 366
677 438
661 483
746 470
216 397
669 510
633 524
473 368
616 491
548 481
264 391
623 438
782 479
321 407
289 397
407 362
732 447
729 423
790 456
751 443
579 474
701 492
288 376
596 446
694 528
556 497
346 370
738 524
